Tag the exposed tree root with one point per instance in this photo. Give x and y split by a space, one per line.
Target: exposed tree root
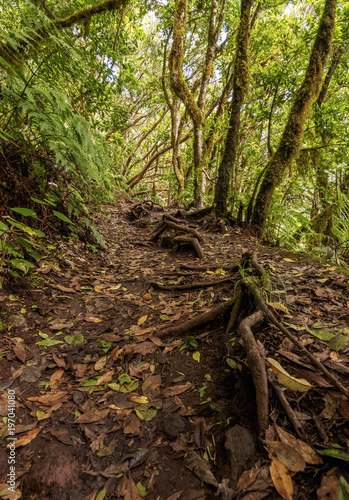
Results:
195 284
199 320
234 314
261 304
257 366
190 236
192 241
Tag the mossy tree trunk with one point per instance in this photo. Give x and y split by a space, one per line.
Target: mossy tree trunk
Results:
240 86
195 108
292 137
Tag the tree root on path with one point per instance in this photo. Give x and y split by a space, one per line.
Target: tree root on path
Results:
191 235
199 320
256 363
194 284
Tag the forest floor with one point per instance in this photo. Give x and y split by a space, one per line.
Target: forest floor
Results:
114 401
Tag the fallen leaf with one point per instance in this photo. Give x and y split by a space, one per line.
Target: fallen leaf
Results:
281 479
328 269
56 376
59 362
200 467
100 364
93 415
329 488
27 438
132 424
278 306
48 399
289 260
106 378
20 351
286 454
144 348
64 288
128 489
308 453
178 389
286 379
94 320
142 320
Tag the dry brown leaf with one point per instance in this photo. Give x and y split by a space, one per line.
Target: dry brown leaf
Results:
173 346
48 399
286 454
49 412
94 320
132 424
100 364
151 385
281 479
56 376
27 438
175 496
91 416
56 325
20 351
59 362
106 378
142 320
177 389
144 348
309 455
329 489
145 330
128 489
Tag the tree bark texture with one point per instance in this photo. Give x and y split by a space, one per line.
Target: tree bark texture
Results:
240 86
292 137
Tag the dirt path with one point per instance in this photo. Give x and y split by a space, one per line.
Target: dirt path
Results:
111 403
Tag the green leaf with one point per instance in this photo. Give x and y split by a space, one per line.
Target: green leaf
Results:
62 217
49 342
340 454
27 212
21 264
196 356
74 339
145 412
321 334
339 342
124 379
39 201
142 490
101 494
3 227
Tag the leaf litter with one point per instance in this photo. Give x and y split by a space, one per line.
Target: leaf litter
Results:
91 375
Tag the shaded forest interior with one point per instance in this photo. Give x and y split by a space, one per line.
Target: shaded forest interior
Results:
174 239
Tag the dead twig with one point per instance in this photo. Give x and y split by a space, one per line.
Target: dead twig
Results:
286 406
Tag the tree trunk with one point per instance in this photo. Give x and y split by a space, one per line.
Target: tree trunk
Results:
240 85
292 137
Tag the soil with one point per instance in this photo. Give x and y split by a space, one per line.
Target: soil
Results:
109 403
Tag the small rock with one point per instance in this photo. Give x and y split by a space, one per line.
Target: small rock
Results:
173 426
17 321
161 358
240 443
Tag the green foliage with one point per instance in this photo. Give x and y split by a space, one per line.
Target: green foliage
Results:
17 241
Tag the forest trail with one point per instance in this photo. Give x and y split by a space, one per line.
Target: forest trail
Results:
112 403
